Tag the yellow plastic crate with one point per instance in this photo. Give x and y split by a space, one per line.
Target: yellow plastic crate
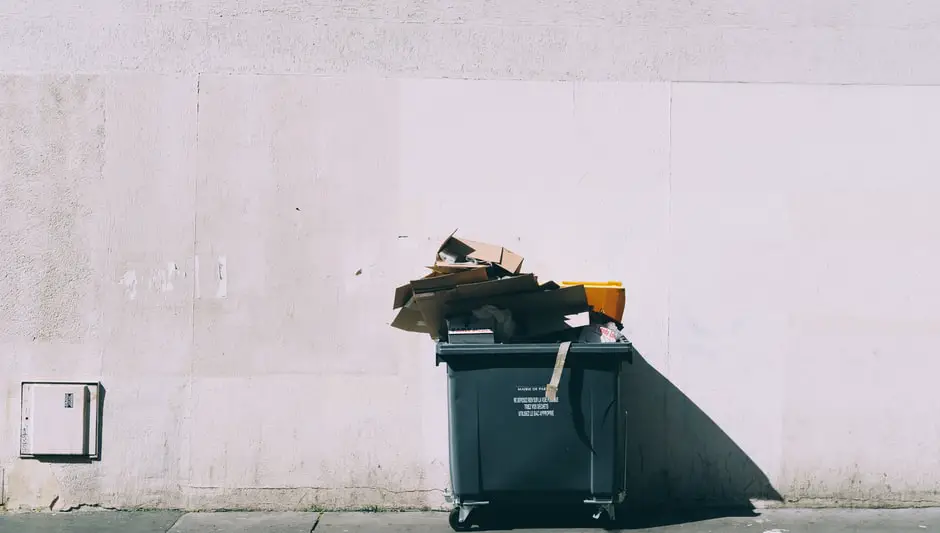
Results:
608 297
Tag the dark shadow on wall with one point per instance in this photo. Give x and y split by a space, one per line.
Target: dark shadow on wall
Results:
681 467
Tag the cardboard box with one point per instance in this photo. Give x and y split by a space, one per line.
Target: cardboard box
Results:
456 252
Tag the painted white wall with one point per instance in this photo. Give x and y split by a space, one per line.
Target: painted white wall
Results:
799 41
773 237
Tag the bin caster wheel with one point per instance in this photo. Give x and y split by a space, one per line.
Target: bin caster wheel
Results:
456 524
606 519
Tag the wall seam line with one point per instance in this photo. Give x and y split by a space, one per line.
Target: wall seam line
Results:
192 352
669 240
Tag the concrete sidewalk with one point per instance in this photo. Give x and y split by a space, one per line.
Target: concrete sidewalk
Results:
772 521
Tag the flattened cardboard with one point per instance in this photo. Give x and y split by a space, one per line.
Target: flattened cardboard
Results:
561 302
547 312
437 281
403 293
503 286
435 306
444 267
538 325
447 281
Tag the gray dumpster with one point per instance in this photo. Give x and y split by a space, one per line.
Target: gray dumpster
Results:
510 445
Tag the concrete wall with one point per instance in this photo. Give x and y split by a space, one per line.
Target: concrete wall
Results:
774 237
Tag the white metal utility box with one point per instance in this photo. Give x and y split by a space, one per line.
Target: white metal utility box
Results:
59 418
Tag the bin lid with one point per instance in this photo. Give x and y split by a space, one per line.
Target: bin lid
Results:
622 350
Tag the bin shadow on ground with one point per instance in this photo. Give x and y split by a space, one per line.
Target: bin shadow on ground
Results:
681 466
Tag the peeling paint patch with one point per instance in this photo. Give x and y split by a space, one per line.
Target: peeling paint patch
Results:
222 274
129 281
162 279
171 271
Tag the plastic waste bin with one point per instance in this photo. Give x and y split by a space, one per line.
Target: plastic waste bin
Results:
510 445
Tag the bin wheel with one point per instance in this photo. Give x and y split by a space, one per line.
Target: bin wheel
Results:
456 524
606 522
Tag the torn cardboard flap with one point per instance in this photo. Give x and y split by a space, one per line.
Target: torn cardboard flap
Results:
551 390
410 319
402 295
453 249
497 255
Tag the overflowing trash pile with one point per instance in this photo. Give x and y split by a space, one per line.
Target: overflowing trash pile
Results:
476 293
